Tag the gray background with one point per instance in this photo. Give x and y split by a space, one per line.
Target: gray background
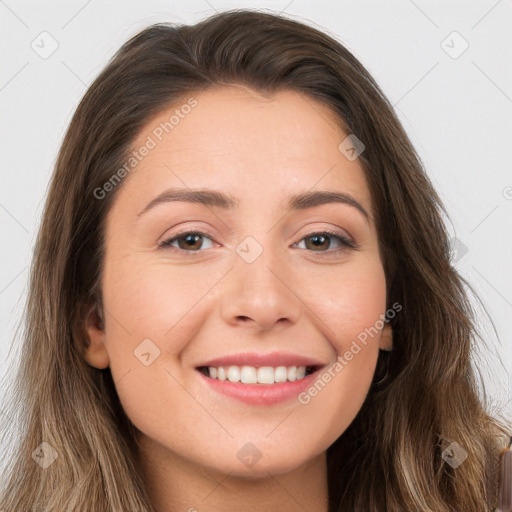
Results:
455 103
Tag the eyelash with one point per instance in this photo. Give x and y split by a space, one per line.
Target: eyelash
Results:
346 242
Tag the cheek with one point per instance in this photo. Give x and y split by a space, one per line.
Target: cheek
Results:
149 302
150 297
156 308
351 303
351 310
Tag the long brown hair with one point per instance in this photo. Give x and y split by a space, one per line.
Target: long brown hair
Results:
391 457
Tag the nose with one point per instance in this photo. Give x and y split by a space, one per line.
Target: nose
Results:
260 294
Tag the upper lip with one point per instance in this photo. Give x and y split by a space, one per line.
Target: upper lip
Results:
257 359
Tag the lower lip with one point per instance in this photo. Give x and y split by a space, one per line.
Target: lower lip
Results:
260 394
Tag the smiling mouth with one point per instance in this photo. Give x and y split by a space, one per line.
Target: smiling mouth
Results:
264 375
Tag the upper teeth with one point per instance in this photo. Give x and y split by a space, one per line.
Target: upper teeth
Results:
262 375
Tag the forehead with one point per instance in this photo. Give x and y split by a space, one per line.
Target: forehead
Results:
255 146
280 122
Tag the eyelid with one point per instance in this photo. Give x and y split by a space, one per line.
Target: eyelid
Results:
165 242
348 243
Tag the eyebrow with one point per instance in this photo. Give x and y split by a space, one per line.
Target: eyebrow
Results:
224 201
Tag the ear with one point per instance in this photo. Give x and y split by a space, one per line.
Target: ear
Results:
386 338
95 352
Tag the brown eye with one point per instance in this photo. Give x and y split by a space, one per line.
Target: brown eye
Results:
188 241
318 241
322 240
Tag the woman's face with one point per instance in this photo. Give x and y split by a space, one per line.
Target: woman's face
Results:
262 281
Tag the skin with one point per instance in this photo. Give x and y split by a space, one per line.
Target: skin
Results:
295 297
